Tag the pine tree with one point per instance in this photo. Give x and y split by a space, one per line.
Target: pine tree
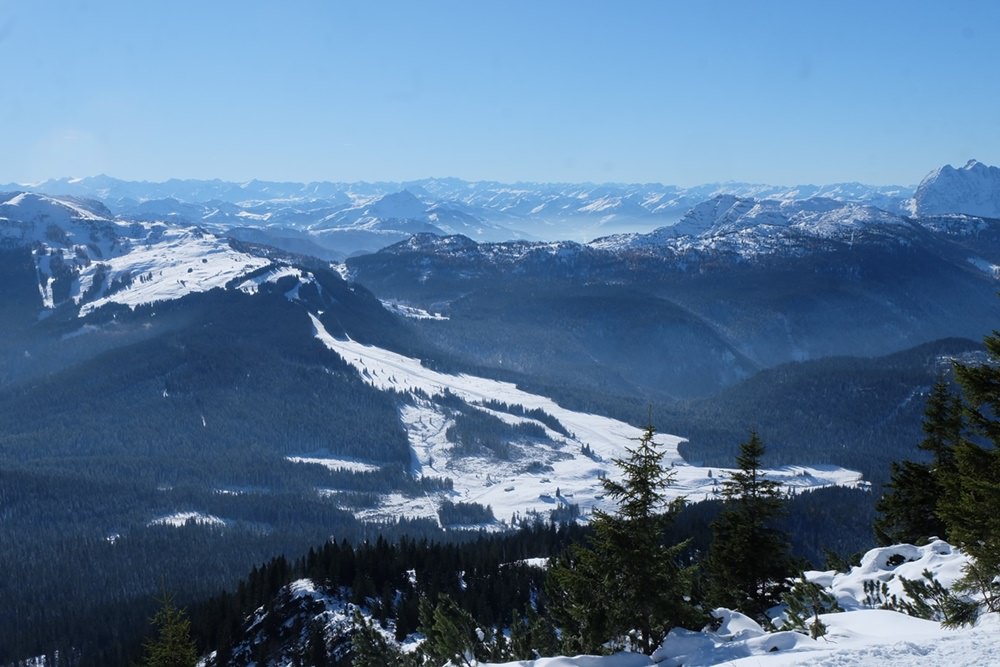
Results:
748 561
172 646
626 586
908 508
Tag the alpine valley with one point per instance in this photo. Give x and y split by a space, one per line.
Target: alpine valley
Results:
199 376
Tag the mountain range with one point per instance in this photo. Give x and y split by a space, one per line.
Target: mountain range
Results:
185 361
336 220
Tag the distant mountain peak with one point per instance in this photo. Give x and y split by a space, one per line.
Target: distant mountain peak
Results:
973 189
36 207
402 205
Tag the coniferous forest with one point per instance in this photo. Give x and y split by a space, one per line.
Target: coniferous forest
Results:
412 576
630 576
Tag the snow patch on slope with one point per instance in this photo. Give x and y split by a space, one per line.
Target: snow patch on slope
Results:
335 463
180 519
563 475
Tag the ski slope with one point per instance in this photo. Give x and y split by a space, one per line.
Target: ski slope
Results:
544 475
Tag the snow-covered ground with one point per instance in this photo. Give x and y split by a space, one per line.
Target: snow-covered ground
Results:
545 474
406 310
859 636
180 262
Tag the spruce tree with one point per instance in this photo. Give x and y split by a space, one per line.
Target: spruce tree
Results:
965 473
909 510
627 585
172 646
971 508
970 502
748 560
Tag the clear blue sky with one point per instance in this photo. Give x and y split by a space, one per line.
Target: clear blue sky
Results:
679 92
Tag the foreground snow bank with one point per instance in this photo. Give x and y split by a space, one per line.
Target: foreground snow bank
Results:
862 638
857 631
862 635
617 660
887 567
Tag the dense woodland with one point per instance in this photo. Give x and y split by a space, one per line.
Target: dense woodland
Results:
198 415
628 578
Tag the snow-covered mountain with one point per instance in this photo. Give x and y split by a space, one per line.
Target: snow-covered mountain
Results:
737 285
756 227
86 259
973 189
242 391
728 226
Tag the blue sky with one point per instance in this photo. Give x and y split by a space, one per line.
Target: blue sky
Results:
678 92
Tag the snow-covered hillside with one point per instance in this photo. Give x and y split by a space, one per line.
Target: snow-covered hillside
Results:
86 258
752 227
561 471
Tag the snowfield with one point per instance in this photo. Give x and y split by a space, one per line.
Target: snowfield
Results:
181 262
546 474
335 463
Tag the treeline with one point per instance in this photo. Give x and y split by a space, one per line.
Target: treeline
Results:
468 514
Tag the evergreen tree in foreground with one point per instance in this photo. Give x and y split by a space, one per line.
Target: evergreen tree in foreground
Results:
970 500
172 646
748 562
909 510
958 495
626 586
